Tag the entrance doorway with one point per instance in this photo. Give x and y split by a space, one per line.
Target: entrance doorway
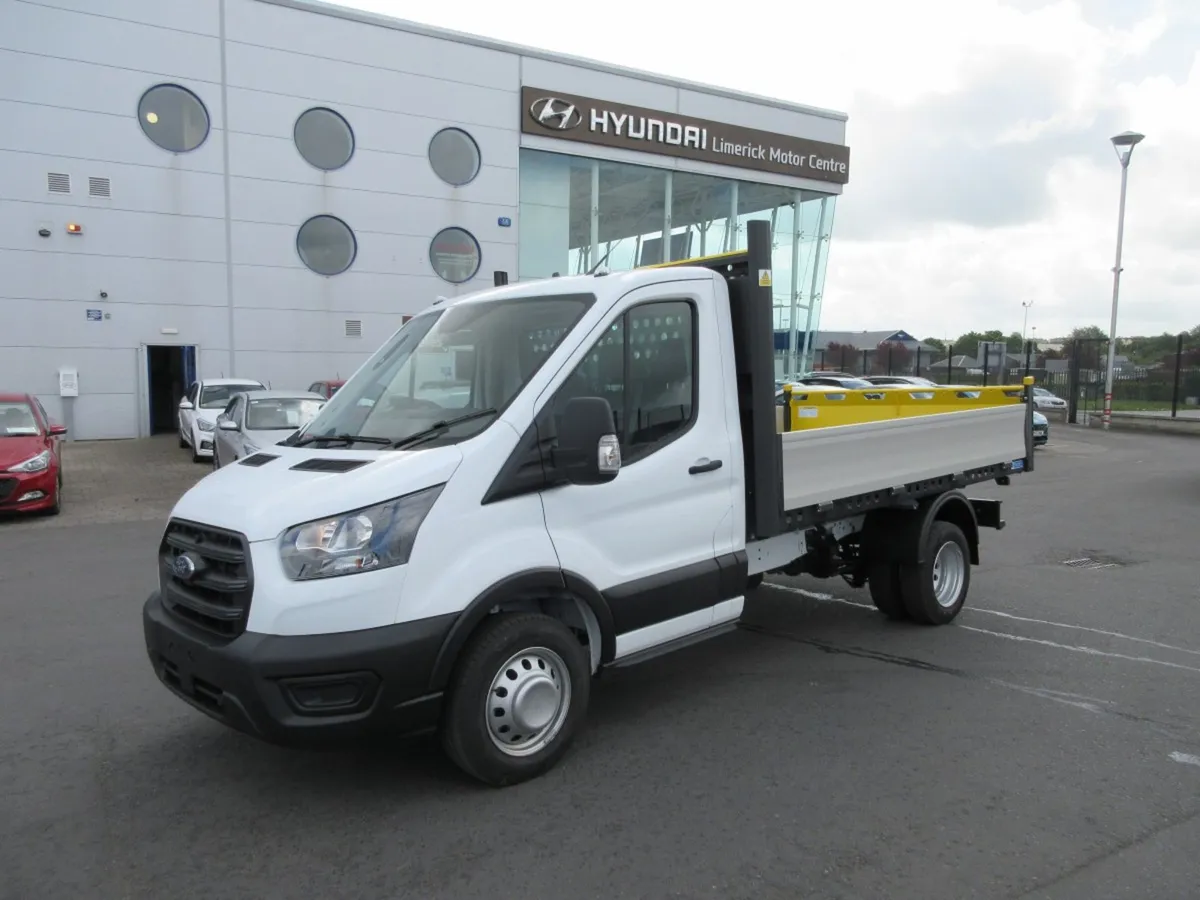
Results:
170 370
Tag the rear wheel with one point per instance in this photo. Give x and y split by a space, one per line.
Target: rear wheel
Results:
935 590
754 581
887 593
518 696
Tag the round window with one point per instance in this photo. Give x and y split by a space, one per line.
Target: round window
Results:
455 255
326 245
454 156
324 138
173 117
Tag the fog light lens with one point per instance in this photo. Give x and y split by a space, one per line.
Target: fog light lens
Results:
32 495
331 694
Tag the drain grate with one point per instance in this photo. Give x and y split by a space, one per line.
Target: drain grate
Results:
1093 562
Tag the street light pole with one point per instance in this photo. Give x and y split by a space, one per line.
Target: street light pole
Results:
1123 144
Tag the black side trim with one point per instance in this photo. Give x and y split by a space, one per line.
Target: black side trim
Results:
319 464
678 644
524 471
668 595
536 584
258 459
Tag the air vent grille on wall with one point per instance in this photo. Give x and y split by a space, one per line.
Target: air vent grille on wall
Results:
99 187
58 183
354 328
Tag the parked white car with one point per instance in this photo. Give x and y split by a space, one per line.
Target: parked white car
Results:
1044 399
253 420
199 408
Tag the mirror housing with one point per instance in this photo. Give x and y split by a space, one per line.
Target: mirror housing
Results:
588 451
227 424
185 403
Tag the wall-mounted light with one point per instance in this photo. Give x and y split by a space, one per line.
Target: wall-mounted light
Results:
44 232
74 228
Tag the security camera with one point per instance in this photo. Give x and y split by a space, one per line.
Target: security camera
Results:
104 295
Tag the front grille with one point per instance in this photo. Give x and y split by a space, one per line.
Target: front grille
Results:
215 597
7 486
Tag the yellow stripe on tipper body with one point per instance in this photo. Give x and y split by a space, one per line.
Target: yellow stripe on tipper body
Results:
826 407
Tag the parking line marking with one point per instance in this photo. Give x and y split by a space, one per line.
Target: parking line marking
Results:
1091 651
1185 758
829 598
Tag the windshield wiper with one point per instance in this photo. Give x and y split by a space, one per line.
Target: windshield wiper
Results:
438 427
341 439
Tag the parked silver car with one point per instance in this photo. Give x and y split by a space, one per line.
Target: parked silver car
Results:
254 420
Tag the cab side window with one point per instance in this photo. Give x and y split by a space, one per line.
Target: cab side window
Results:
644 365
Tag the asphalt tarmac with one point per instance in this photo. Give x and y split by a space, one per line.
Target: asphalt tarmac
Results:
1046 745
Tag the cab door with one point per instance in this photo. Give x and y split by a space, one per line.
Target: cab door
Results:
657 540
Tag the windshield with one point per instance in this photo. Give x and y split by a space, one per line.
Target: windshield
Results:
16 419
281 414
446 365
216 396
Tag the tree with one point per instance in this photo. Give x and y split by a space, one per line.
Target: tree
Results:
891 358
1015 343
1088 333
936 343
840 356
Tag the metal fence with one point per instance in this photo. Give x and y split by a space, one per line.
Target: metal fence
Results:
1168 386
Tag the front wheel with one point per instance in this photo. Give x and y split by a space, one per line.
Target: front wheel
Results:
517 698
935 590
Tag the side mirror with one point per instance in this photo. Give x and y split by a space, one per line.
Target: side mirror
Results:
227 424
588 451
58 430
185 403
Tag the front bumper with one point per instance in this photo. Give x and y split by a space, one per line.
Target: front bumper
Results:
310 689
1041 436
21 492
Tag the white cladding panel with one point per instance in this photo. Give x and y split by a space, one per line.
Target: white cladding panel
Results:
176 265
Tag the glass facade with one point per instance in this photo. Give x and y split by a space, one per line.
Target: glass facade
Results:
576 213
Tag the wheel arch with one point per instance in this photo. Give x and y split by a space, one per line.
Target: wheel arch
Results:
899 535
571 599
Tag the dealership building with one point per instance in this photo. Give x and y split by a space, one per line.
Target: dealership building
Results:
267 188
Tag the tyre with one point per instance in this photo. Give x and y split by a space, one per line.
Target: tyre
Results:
754 581
216 463
934 591
57 507
887 593
518 696
183 444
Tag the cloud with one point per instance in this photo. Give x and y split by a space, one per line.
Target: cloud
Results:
981 172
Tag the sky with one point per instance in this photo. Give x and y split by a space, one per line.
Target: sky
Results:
981 173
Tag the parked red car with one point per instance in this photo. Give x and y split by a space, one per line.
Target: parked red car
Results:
30 456
326 388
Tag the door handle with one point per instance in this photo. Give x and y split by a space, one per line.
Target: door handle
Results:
706 465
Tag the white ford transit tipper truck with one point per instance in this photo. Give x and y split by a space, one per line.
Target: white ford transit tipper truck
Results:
587 472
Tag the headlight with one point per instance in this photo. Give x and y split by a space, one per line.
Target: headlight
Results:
204 426
39 463
360 541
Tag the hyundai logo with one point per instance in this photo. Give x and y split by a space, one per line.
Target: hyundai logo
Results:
184 567
556 114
